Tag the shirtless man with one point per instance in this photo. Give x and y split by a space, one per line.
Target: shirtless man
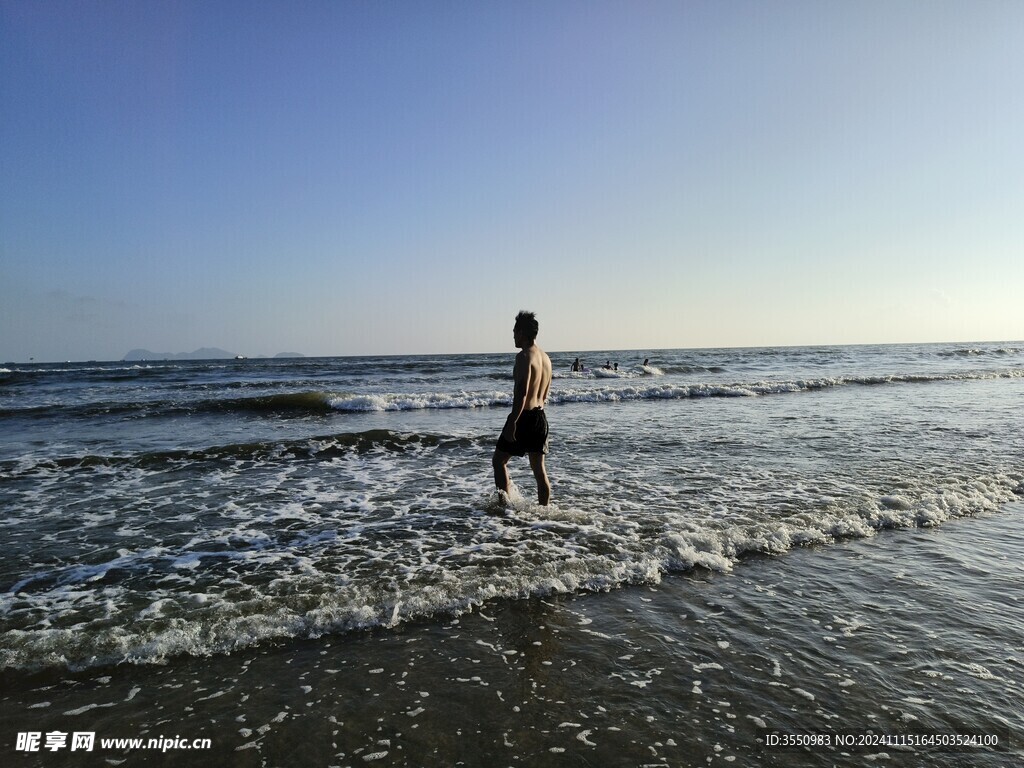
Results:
526 428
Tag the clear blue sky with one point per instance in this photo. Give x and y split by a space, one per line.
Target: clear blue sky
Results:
385 177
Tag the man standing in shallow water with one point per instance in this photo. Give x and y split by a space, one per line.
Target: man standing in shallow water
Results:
526 428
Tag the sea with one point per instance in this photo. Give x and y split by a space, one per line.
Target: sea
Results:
790 556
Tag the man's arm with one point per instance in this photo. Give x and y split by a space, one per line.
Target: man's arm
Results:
521 377
546 374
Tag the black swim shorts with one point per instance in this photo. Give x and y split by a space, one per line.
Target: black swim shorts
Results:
531 434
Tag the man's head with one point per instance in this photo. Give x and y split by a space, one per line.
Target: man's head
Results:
526 326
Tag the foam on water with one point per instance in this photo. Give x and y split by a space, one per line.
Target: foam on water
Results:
600 386
347 535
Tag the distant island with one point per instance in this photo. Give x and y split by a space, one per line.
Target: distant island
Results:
205 353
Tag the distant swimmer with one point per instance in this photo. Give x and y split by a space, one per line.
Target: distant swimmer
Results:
576 366
526 428
607 365
646 361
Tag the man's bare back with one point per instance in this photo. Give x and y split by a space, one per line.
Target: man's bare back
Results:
533 374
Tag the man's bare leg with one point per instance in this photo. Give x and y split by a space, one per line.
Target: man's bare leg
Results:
500 463
541 474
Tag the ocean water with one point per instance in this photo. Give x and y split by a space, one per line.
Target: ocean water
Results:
305 559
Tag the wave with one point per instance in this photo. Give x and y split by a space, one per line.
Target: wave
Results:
92 372
322 402
756 389
322 448
567 551
981 352
629 373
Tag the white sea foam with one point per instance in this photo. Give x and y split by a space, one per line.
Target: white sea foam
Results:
161 628
601 393
403 402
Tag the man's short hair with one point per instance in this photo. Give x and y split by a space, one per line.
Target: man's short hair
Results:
527 323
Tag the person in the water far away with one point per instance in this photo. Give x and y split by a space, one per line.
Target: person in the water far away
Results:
526 428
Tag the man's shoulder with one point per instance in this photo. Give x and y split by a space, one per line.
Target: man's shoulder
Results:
536 353
522 361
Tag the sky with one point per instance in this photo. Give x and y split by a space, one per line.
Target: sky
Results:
355 177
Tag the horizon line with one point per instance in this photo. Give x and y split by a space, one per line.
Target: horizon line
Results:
579 352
